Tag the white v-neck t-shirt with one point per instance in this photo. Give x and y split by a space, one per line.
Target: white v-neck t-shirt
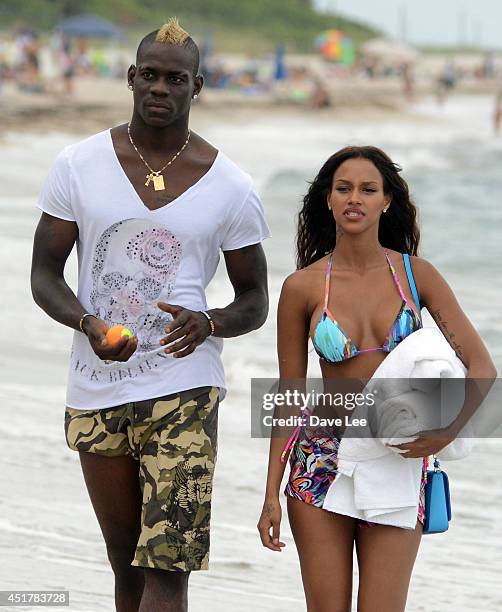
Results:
130 258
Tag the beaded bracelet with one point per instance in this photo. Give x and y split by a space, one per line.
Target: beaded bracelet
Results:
211 322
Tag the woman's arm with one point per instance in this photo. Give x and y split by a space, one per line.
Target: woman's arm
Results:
292 341
439 299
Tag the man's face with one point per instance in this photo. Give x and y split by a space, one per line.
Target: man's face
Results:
163 84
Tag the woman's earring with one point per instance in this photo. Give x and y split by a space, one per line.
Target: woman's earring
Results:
129 86
384 210
195 96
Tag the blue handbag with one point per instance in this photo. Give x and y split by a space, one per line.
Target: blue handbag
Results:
437 500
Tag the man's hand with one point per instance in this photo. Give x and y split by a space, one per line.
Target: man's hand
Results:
96 332
427 443
190 328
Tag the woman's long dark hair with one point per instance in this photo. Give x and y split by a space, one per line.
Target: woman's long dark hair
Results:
398 228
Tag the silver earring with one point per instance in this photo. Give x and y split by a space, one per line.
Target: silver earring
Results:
195 96
129 86
384 210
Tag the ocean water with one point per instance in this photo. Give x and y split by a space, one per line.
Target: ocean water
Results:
49 537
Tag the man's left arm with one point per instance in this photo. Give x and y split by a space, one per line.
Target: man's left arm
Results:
247 271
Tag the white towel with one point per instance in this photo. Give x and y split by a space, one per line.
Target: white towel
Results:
414 397
374 482
399 419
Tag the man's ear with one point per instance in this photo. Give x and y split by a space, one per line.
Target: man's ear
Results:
131 73
198 84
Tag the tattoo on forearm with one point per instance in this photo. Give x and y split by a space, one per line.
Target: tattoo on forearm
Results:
269 508
443 325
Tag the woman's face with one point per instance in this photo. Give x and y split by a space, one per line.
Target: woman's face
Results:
357 198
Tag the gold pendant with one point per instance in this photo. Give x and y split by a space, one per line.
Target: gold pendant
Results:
149 178
158 182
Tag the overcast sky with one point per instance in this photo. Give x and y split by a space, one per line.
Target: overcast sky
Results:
439 22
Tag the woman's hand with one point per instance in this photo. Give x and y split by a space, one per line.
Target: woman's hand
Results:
96 332
189 327
270 519
427 443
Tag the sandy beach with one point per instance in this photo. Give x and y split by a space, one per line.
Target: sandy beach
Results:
49 536
101 102
98 103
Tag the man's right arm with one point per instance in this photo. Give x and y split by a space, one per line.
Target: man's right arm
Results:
53 242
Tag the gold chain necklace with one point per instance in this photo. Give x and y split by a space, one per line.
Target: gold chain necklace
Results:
155 176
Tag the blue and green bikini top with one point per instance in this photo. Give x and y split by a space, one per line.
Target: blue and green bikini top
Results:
333 345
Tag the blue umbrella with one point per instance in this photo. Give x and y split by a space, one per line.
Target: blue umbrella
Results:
90 26
280 72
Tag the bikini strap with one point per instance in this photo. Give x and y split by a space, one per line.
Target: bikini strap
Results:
326 285
411 280
395 277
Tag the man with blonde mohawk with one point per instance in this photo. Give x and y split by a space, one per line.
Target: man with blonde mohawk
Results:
150 205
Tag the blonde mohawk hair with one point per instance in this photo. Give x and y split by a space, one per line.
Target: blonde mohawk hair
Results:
172 33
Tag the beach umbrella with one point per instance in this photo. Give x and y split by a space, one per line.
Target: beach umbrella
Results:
90 26
389 50
336 46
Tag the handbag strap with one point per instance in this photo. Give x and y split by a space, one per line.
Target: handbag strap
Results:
411 280
436 466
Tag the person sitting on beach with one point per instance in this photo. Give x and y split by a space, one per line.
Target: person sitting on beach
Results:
320 95
150 204
356 223
497 115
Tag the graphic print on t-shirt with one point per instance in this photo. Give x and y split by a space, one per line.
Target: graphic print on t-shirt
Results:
134 266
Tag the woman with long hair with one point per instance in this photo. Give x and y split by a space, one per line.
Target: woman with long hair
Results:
356 230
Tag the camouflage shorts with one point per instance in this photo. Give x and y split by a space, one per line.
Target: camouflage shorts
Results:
174 439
